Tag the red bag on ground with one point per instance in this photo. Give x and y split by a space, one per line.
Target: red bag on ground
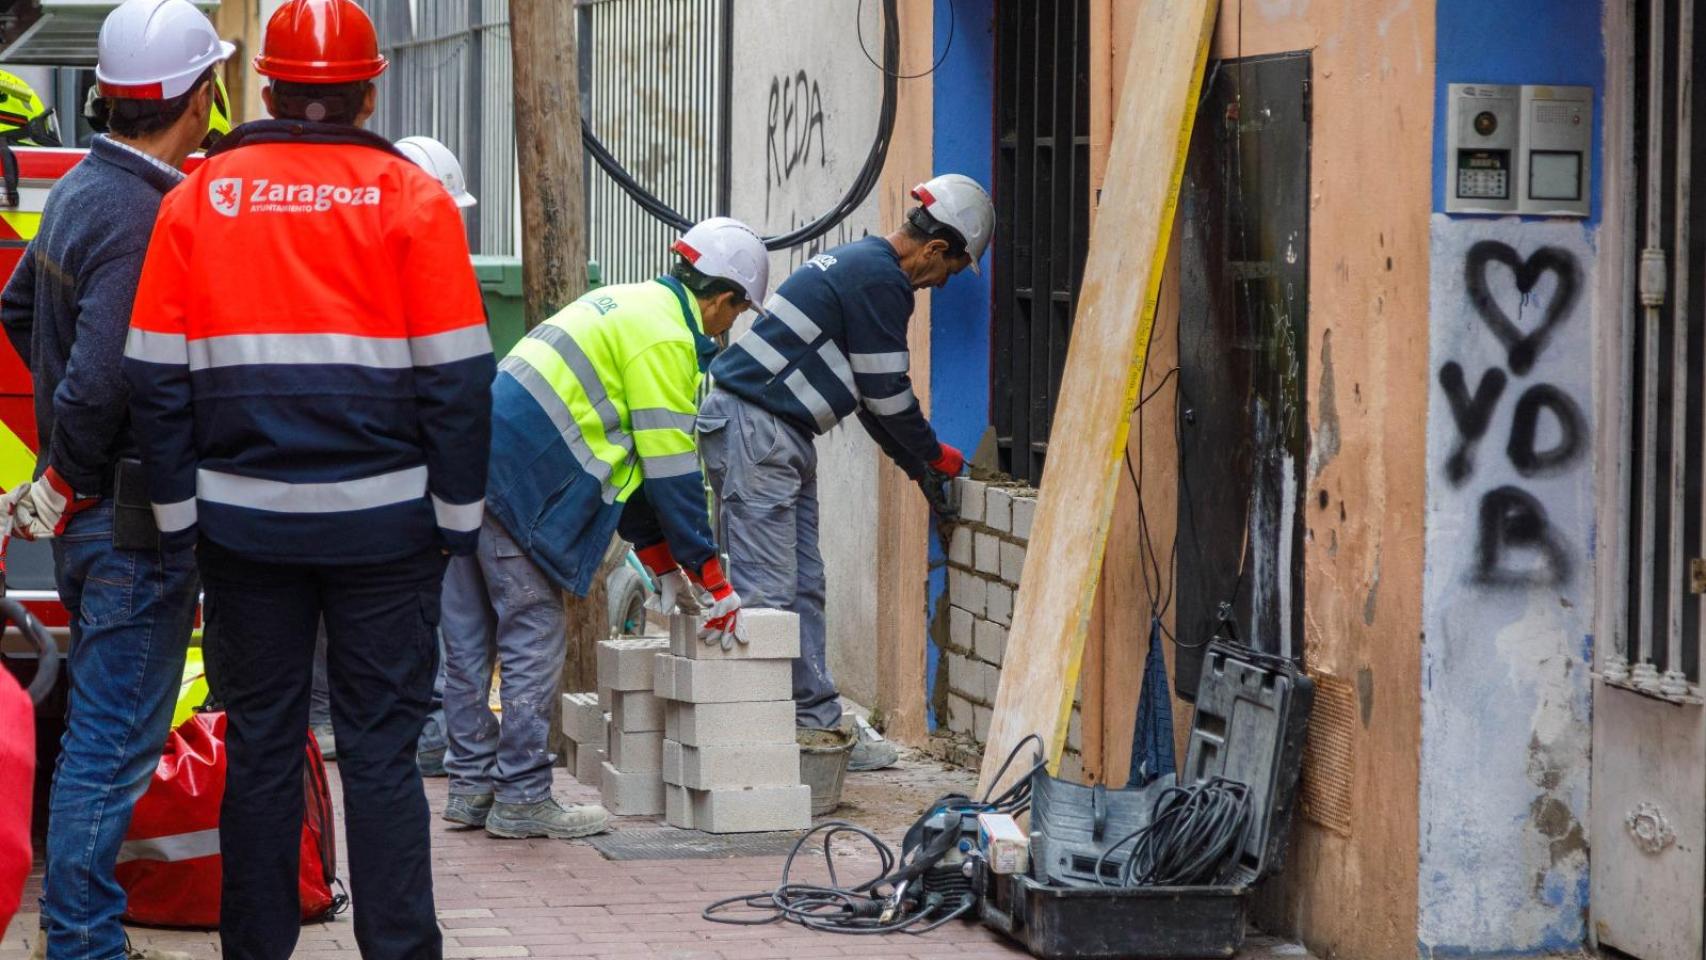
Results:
17 786
169 865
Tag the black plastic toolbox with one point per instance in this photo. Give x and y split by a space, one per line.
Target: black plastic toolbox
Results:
1252 717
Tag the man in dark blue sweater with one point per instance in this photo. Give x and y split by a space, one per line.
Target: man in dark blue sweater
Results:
831 342
66 311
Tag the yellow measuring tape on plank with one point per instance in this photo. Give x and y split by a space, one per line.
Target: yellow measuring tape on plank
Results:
1099 387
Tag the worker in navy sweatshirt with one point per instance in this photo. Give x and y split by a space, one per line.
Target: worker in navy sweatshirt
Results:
66 311
831 341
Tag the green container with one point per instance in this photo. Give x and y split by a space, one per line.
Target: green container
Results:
506 307
500 285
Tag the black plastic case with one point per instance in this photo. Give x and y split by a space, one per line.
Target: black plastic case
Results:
1252 716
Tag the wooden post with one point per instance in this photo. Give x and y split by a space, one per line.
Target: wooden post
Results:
542 36
543 41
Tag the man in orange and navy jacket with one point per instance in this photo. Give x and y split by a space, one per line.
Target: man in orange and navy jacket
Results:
311 387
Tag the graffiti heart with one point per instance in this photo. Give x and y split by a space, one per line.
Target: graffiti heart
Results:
1517 545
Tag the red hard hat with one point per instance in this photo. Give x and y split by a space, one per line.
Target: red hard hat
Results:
320 41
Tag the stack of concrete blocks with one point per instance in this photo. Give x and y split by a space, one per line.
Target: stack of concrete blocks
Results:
731 763
631 779
588 730
986 555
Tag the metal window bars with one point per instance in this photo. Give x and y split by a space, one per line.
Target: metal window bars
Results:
1664 507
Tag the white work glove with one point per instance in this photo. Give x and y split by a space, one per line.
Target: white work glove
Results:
9 506
673 591
42 508
720 606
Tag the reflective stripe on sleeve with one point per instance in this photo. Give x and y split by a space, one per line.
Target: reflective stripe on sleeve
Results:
451 346
172 517
673 465
889 406
459 517
151 347
659 418
881 362
568 428
837 363
592 385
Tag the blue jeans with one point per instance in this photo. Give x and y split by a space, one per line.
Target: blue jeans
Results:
131 615
498 605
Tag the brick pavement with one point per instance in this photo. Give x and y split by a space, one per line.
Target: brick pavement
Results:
541 898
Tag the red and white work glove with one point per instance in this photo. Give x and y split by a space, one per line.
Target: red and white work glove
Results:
673 590
41 509
721 608
949 461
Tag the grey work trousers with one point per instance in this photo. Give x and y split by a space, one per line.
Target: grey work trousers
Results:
499 606
764 471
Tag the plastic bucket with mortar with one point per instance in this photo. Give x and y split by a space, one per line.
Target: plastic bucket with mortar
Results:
823 765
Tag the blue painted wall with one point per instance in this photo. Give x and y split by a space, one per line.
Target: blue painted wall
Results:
1558 42
963 101
1506 700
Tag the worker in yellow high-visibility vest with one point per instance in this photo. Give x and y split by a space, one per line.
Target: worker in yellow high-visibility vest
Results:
593 419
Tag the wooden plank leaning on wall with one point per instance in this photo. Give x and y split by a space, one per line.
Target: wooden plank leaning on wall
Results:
903 519
1100 384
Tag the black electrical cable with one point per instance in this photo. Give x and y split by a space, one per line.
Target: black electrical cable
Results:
866 180
886 902
1195 837
953 22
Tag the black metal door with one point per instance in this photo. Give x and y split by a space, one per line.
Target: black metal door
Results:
1042 211
1243 434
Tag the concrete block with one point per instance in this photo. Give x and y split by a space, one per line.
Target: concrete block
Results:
998 511
988 681
1024 511
637 752
987 550
723 681
959 714
770 635
966 591
677 806
998 603
1012 561
962 679
733 765
630 794
980 723
625 663
971 499
583 720
586 763
636 711
960 630
959 546
753 810
990 641
716 724
605 700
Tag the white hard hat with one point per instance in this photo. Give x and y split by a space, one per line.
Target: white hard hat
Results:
155 49
435 158
955 200
725 247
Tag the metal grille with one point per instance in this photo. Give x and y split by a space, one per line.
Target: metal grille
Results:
450 78
654 73
1042 204
1657 648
